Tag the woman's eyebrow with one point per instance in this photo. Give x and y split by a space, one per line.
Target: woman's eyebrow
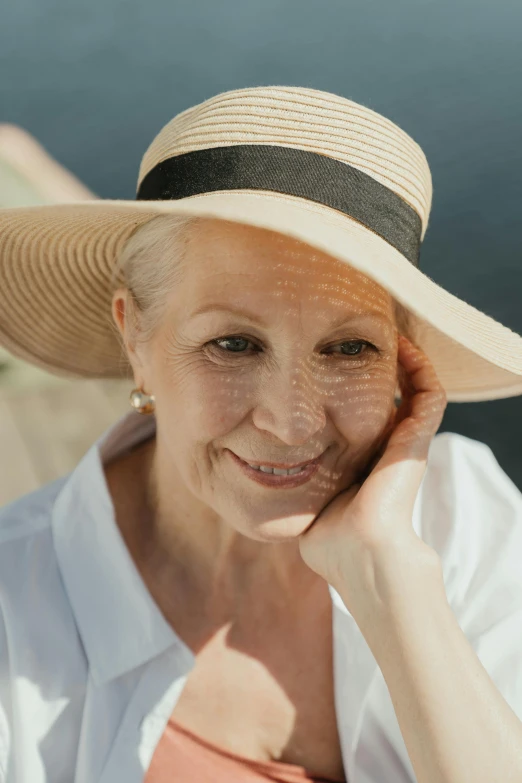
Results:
248 316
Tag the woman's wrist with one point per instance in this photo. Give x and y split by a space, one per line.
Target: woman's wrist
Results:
395 578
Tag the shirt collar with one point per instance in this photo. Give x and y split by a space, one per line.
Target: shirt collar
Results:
120 625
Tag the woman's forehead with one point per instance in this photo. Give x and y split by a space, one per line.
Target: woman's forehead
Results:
265 278
221 254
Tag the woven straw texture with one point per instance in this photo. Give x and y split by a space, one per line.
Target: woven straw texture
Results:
56 262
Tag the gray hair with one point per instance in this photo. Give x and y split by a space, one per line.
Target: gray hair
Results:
151 262
149 272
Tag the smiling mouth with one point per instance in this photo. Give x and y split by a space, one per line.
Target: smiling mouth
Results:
277 473
281 468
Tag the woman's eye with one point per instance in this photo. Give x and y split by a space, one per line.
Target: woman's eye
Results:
235 344
348 348
239 345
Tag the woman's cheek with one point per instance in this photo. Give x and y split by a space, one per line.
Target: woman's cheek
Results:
220 401
361 409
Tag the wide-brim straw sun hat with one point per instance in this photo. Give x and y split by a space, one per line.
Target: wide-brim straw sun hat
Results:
314 166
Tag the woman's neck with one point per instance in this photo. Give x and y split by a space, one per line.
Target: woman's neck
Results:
183 548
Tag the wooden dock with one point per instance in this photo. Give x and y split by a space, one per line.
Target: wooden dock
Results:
47 424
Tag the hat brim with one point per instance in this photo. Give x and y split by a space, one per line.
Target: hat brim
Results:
57 262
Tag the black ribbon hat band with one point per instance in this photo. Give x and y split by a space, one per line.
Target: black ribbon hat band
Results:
294 172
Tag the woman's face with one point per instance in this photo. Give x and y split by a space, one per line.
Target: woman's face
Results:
273 352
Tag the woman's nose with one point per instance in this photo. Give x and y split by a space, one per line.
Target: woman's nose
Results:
291 407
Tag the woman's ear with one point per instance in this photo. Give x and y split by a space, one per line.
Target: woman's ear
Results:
118 309
124 318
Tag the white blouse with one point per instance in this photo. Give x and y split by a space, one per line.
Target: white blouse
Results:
90 671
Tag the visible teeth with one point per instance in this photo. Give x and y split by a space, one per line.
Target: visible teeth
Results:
278 471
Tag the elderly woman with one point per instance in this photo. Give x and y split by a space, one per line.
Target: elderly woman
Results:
280 571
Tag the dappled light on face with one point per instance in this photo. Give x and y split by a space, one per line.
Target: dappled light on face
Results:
277 353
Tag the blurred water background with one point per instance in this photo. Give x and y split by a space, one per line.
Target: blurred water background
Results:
94 82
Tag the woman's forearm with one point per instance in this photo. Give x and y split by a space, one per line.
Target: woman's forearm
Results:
456 725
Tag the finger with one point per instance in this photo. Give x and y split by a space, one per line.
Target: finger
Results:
422 409
420 372
424 392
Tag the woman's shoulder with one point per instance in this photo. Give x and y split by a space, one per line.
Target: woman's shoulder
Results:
26 543
470 511
30 513
464 478
474 458
34 606
39 641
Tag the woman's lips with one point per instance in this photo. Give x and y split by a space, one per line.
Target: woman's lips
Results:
271 480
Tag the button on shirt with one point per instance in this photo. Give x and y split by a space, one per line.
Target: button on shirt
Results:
90 671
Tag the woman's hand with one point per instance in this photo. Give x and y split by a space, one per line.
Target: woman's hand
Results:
372 520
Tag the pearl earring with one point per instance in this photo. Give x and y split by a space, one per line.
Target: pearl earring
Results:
142 402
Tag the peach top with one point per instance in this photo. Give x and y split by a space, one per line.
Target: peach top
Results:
185 757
